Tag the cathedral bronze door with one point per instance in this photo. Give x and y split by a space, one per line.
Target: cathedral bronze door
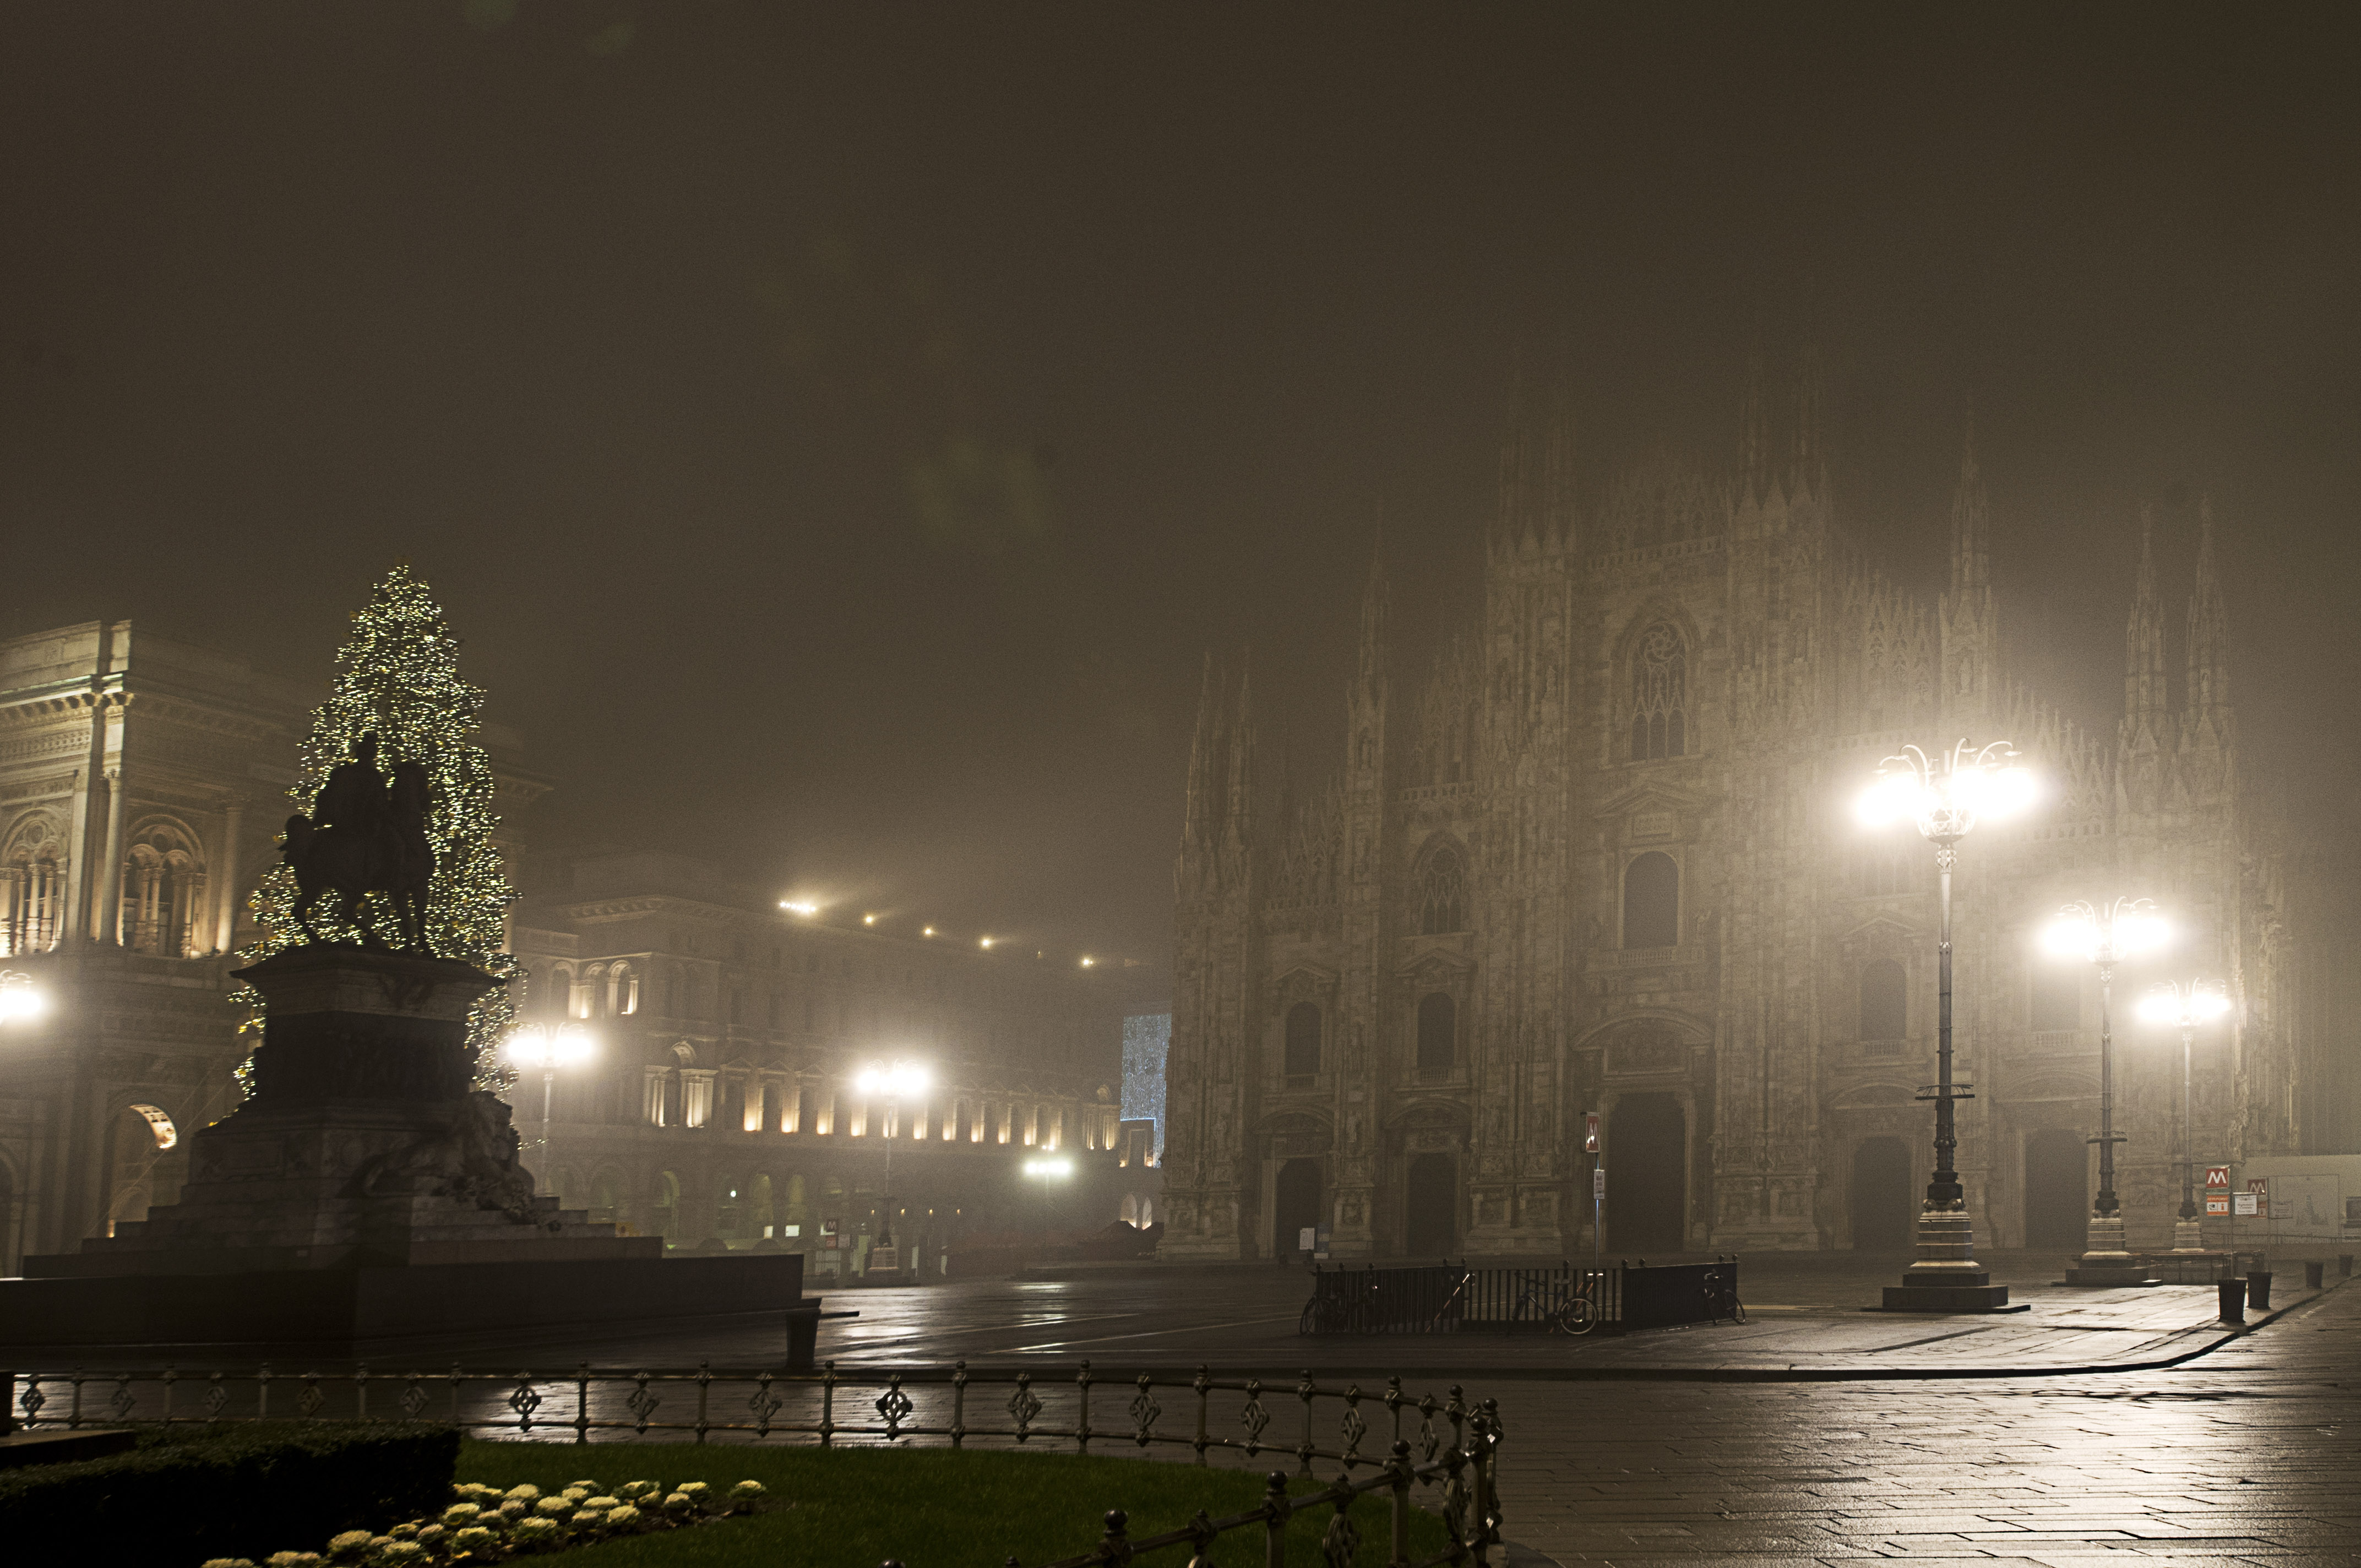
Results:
1884 1197
1295 1209
2056 1189
1647 1168
1431 1205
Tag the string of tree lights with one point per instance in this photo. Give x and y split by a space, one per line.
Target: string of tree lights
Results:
397 676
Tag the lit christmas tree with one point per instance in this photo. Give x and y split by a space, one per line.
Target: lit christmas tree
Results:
399 676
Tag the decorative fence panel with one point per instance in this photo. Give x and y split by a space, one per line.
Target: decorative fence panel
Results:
1548 1299
1446 1445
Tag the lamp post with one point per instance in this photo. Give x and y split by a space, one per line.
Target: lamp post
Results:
1945 797
894 1082
1044 1171
2197 1004
539 1048
2124 929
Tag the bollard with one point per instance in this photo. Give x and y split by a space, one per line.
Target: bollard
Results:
2344 1263
2258 1290
2311 1274
2234 1299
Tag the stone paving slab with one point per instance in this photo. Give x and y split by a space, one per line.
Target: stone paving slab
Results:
2248 1456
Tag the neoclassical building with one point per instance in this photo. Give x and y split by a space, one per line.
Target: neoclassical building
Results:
143 782
1592 854
721 1105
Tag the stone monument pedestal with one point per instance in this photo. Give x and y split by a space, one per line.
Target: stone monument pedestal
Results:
1947 1278
2105 1262
366 1191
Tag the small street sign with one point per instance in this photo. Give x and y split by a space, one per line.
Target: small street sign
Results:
2259 1188
1590 1131
2217 1203
1598 1182
2244 1204
2217 1178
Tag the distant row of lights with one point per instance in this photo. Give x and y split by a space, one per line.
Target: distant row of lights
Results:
807 910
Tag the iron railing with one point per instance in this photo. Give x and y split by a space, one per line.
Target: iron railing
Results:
834 1405
1448 1298
1471 1514
1438 1443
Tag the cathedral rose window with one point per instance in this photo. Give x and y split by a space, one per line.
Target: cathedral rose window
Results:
1659 694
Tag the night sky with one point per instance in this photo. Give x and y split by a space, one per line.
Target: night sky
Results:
838 431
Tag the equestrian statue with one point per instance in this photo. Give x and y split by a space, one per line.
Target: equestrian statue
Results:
365 835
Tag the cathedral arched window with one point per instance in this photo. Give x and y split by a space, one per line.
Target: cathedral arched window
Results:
1660 695
626 982
561 993
1652 902
1442 892
1884 1000
1303 1039
32 886
163 888
1438 1032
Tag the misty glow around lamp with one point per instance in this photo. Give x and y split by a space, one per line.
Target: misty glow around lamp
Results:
894 1082
2105 937
540 1047
20 1000
2188 1006
1944 797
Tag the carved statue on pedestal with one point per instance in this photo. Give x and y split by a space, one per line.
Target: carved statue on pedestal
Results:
366 836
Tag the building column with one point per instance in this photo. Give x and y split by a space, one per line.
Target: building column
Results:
226 917
109 931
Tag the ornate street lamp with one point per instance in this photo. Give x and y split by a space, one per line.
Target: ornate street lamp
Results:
2196 1003
2124 929
894 1082
1945 799
538 1047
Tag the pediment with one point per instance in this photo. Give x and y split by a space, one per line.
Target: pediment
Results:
1442 962
1884 928
1652 796
1318 977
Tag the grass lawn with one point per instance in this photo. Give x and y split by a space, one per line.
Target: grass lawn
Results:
930 1508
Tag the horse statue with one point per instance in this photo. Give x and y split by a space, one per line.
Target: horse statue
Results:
365 836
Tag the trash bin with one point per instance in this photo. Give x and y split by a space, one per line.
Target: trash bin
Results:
2234 1299
2311 1274
2258 1290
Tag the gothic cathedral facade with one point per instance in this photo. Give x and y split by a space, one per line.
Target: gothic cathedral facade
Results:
1597 858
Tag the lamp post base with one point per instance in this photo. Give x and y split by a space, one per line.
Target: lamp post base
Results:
2105 1263
1947 1277
2187 1235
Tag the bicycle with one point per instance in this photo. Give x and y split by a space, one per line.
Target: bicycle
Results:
1340 1315
1562 1309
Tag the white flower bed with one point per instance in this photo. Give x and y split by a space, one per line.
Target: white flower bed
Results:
487 1525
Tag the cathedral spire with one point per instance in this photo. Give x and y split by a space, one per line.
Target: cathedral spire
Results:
1375 601
1238 827
2208 634
1971 521
1970 629
1754 434
1201 763
2145 698
1809 467
1558 470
